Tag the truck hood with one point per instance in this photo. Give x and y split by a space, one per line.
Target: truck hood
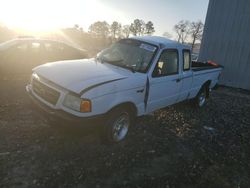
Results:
77 75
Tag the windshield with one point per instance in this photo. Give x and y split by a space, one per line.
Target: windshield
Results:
128 53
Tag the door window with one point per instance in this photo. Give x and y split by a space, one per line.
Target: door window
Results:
186 60
167 63
22 47
48 47
35 47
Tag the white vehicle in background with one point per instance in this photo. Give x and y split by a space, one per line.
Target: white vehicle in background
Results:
194 56
133 77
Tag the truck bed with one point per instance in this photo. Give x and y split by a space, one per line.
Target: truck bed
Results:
203 72
198 66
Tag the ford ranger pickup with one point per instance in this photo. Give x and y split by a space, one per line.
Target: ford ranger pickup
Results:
133 77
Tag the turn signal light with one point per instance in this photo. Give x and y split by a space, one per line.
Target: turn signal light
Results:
85 106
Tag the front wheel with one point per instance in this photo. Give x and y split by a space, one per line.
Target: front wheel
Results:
117 126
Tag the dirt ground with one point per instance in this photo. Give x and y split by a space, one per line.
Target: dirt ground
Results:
178 146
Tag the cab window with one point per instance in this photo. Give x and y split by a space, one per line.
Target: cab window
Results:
23 47
167 63
186 60
35 47
48 46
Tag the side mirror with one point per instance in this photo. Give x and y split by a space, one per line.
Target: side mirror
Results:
98 55
101 53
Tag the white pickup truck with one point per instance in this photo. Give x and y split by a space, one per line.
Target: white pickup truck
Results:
133 77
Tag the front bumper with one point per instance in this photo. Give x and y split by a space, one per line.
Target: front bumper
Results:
60 114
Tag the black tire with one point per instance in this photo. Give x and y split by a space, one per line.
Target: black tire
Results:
117 125
201 99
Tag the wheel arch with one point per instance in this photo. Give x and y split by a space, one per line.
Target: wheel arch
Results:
207 87
130 105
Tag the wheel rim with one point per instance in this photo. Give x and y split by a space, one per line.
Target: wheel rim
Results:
202 99
120 127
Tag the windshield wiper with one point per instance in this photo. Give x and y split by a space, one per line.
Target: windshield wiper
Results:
112 61
109 60
117 63
128 67
125 67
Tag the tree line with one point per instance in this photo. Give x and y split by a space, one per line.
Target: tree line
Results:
100 34
117 30
185 31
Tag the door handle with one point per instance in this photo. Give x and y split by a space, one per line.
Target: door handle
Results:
140 91
178 80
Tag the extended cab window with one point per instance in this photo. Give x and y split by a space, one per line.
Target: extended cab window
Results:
167 63
186 60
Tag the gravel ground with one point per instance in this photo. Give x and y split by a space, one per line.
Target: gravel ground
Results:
178 146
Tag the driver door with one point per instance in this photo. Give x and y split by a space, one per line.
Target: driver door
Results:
165 83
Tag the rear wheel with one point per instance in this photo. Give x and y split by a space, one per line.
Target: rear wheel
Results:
117 125
202 97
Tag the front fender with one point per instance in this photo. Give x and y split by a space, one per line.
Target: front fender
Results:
105 103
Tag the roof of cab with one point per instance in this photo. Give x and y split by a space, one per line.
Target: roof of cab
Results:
161 42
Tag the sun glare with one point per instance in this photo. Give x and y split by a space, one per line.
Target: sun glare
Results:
46 15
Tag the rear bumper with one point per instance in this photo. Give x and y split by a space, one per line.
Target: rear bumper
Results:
60 114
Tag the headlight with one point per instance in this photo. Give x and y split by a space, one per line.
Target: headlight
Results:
75 103
34 76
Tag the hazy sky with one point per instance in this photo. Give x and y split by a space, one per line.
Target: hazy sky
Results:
163 13
50 14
